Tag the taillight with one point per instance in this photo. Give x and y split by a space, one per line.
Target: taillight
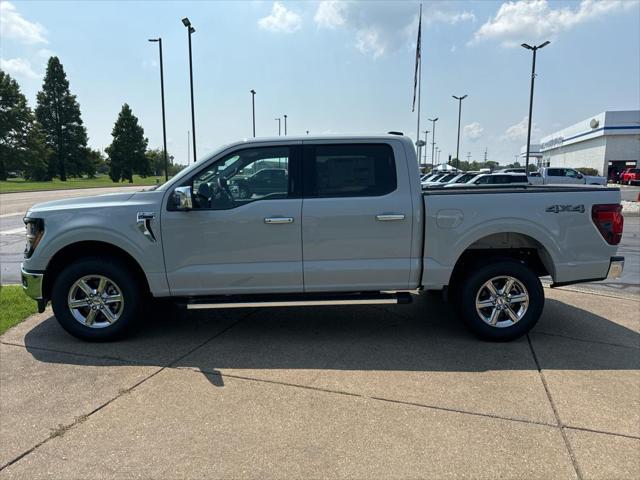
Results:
609 221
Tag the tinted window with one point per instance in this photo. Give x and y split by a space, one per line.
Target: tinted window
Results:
351 170
555 172
518 179
483 180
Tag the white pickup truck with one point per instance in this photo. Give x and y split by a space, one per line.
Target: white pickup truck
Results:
565 176
349 225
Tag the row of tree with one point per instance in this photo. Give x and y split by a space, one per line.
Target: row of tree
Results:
52 141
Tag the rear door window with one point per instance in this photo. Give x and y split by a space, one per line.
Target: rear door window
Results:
349 170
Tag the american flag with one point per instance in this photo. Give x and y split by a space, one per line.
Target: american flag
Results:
418 60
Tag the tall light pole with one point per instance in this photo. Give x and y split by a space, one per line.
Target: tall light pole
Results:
279 123
253 110
459 117
285 125
433 138
190 30
534 49
426 132
164 125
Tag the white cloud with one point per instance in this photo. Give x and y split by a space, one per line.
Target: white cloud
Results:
18 67
383 27
536 20
368 42
281 20
473 131
330 14
518 132
452 18
13 25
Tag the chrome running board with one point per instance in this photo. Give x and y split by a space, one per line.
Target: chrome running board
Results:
302 300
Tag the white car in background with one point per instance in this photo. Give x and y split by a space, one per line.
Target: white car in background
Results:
493 179
565 176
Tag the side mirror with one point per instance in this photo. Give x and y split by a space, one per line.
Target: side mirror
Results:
580 176
182 198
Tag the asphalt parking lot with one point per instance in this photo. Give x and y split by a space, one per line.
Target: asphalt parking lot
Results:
361 392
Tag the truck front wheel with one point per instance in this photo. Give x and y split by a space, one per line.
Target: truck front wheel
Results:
95 299
501 300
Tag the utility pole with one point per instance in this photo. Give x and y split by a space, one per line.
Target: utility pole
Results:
533 77
164 125
190 30
468 157
278 119
433 139
253 110
285 125
459 117
426 132
485 154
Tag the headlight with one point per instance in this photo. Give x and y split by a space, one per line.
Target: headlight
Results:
35 231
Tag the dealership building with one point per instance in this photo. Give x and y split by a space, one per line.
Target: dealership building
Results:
608 142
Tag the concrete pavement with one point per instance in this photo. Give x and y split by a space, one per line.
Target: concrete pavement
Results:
360 392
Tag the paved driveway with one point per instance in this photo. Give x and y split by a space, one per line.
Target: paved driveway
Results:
362 392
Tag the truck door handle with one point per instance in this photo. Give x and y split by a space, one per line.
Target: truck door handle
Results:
278 220
389 217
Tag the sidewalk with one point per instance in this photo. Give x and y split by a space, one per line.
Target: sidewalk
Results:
363 392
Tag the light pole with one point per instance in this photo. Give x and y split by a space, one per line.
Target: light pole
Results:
253 110
534 49
278 119
459 117
285 125
190 30
433 138
164 127
426 132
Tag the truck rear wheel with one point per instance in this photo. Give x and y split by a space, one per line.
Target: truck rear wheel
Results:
95 299
501 301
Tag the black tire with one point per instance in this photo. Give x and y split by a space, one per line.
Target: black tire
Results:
113 269
471 284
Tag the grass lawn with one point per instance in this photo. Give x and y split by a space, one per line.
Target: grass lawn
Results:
20 185
15 306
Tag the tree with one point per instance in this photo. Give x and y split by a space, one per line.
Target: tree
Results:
97 162
22 145
127 152
59 114
156 162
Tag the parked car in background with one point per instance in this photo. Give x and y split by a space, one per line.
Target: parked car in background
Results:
464 177
494 179
443 180
565 176
630 176
267 180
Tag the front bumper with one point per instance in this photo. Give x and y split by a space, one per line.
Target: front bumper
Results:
32 283
616 267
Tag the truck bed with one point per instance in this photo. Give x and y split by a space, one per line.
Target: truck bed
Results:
552 221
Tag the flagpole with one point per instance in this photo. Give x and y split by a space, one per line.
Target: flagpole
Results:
419 83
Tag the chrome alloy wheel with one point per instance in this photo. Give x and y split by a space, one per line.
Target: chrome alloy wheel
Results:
95 301
502 301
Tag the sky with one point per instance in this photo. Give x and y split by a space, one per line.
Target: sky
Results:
332 67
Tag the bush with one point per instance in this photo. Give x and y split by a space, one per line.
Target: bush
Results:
587 171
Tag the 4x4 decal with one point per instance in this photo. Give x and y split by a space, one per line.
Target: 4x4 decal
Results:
565 208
